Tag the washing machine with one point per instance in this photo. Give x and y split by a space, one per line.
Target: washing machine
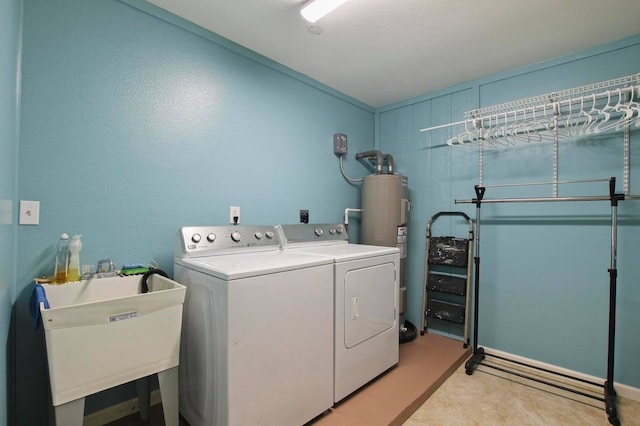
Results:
257 331
365 281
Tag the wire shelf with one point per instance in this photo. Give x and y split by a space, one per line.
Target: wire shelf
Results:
555 96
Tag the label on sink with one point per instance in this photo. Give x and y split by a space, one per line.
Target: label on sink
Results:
121 317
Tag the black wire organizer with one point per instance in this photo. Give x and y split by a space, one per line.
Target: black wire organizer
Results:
447 278
479 355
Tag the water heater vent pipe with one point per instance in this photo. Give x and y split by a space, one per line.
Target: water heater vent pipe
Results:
388 158
370 154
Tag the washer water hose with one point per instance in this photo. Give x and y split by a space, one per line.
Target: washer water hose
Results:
144 287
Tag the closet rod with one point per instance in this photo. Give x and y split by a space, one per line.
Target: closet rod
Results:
545 199
504 185
441 126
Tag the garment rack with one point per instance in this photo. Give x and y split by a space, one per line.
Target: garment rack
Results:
479 353
607 106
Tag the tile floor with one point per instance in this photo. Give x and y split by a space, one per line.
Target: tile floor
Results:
487 398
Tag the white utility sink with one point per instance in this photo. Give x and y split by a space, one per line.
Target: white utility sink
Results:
103 332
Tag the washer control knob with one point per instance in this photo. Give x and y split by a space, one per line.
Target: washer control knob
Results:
196 238
211 237
332 231
318 232
339 230
236 236
269 234
258 235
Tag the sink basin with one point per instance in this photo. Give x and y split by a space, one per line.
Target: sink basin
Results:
103 332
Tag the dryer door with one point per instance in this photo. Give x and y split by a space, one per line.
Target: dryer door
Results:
370 301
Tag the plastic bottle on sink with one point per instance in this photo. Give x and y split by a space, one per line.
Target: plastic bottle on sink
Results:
74 263
62 260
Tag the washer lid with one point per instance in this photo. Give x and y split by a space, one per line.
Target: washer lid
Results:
235 266
346 252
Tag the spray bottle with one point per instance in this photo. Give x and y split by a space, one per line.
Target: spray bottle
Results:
74 263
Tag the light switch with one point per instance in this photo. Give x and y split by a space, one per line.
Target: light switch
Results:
29 212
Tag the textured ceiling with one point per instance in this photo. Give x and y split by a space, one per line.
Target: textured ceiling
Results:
385 51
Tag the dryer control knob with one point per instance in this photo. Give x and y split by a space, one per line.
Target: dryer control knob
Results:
258 235
196 238
332 231
318 232
236 236
339 230
211 237
269 234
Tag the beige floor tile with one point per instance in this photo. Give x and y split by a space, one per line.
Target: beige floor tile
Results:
487 399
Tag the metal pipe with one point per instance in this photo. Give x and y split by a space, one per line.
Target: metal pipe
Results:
544 199
441 126
369 154
626 159
388 158
542 381
555 153
610 393
476 257
503 185
478 352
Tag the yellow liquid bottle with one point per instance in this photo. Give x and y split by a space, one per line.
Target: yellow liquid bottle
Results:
60 278
73 275
62 260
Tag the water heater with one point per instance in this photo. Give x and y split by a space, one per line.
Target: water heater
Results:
385 213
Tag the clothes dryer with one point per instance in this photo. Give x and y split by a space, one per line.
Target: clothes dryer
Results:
365 280
257 336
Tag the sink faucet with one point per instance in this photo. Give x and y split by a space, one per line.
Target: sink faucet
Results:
106 271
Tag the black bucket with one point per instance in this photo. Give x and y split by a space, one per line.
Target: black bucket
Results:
408 332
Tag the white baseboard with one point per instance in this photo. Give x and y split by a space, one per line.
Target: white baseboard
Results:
622 390
118 411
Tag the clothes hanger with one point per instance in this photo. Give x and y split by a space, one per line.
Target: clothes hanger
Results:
565 129
606 111
593 112
609 110
626 107
587 116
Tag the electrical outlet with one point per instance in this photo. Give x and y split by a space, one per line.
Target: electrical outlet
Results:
29 212
304 216
234 215
340 144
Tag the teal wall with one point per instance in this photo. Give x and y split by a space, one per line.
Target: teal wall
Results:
544 281
10 39
134 124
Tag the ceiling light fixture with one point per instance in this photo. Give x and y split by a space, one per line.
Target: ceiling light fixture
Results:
316 9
